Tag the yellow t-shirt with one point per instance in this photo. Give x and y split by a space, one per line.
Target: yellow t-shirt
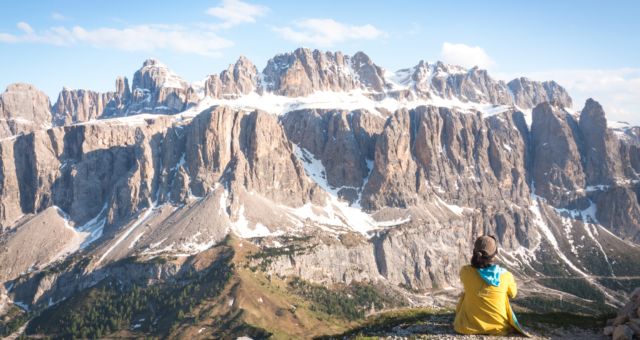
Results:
484 308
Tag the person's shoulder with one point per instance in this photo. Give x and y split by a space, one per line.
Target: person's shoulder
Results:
506 275
466 269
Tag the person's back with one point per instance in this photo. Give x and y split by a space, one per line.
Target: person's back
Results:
484 307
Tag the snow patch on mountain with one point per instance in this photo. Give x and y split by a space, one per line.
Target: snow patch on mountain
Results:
336 212
129 230
241 227
351 101
548 234
93 227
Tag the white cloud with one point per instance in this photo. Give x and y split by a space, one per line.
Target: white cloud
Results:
327 32
465 55
7 38
618 90
58 17
146 38
24 27
236 12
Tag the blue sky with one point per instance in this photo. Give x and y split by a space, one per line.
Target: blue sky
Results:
590 47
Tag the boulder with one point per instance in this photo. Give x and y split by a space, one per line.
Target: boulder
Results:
622 332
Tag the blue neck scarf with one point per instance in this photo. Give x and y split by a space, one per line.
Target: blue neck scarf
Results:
491 274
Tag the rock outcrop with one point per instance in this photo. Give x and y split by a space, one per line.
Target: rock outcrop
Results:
626 325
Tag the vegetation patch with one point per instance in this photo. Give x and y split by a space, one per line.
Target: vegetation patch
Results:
577 286
351 302
263 258
626 285
553 304
113 306
545 321
12 320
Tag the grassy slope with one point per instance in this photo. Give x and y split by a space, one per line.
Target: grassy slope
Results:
259 301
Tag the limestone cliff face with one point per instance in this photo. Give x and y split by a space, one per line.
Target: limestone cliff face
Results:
343 141
83 169
244 150
618 209
602 164
557 172
429 152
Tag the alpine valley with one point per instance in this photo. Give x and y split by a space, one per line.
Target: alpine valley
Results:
296 201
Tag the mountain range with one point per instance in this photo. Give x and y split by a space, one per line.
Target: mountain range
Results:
323 170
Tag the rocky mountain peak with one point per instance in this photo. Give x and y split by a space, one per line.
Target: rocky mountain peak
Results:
445 69
369 74
420 73
81 105
152 62
527 93
122 87
593 114
238 79
243 65
21 87
454 82
154 75
23 108
156 89
598 145
305 71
